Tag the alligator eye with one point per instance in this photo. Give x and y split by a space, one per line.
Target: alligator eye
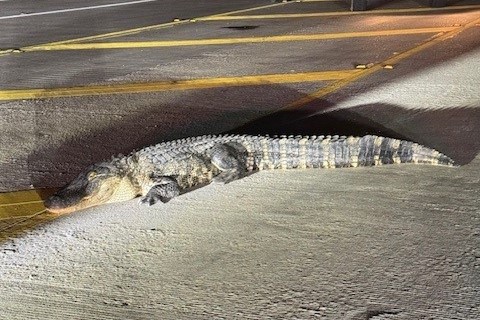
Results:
91 175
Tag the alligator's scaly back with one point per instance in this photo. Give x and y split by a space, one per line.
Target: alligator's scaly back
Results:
292 152
163 171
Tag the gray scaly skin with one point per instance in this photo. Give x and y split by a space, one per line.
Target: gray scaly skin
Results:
163 171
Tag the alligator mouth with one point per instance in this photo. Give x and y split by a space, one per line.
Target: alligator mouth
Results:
59 205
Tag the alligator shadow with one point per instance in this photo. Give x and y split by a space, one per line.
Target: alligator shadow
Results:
110 127
453 131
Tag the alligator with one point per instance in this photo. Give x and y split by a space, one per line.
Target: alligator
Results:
168 169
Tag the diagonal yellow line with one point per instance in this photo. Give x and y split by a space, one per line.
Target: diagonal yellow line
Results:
225 41
17 225
390 61
127 32
21 203
251 9
16 94
337 13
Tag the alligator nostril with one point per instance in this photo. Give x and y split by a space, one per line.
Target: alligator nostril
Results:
52 202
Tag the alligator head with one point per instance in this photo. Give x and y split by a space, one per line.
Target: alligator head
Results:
98 184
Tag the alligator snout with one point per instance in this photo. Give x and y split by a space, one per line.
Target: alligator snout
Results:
57 204
64 201
53 202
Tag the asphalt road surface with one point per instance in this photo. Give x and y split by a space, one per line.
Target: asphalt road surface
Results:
83 80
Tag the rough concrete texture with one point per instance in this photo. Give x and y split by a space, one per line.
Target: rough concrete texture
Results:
379 243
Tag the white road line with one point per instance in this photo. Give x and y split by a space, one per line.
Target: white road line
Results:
26 15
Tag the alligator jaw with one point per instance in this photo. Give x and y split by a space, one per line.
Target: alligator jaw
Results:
98 184
74 196
54 204
67 201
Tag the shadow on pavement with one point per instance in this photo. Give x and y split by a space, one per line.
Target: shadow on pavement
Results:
100 134
453 131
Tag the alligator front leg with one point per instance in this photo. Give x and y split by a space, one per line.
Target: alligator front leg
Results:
230 159
164 189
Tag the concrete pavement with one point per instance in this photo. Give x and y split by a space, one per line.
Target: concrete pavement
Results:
398 242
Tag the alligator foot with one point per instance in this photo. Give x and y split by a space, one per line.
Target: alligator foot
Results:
164 190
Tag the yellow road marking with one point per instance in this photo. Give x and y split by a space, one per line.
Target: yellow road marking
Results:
220 41
18 209
12 204
337 13
390 61
204 83
128 32
6 198
3 205
251 9
15 226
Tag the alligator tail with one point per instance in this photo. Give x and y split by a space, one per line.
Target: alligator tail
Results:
340 151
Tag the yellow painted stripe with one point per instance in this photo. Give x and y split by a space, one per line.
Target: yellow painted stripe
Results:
251 9
16 94
96 37
13 204
225 41
338 13
335 86
19 209
128 32
6 198
15 226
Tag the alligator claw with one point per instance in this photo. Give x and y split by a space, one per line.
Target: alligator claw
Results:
164 192
147 201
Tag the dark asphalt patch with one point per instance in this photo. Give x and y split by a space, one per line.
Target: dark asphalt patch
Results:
241 27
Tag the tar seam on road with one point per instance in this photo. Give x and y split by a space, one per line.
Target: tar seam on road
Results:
376 67
20 220
226 41
177 85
